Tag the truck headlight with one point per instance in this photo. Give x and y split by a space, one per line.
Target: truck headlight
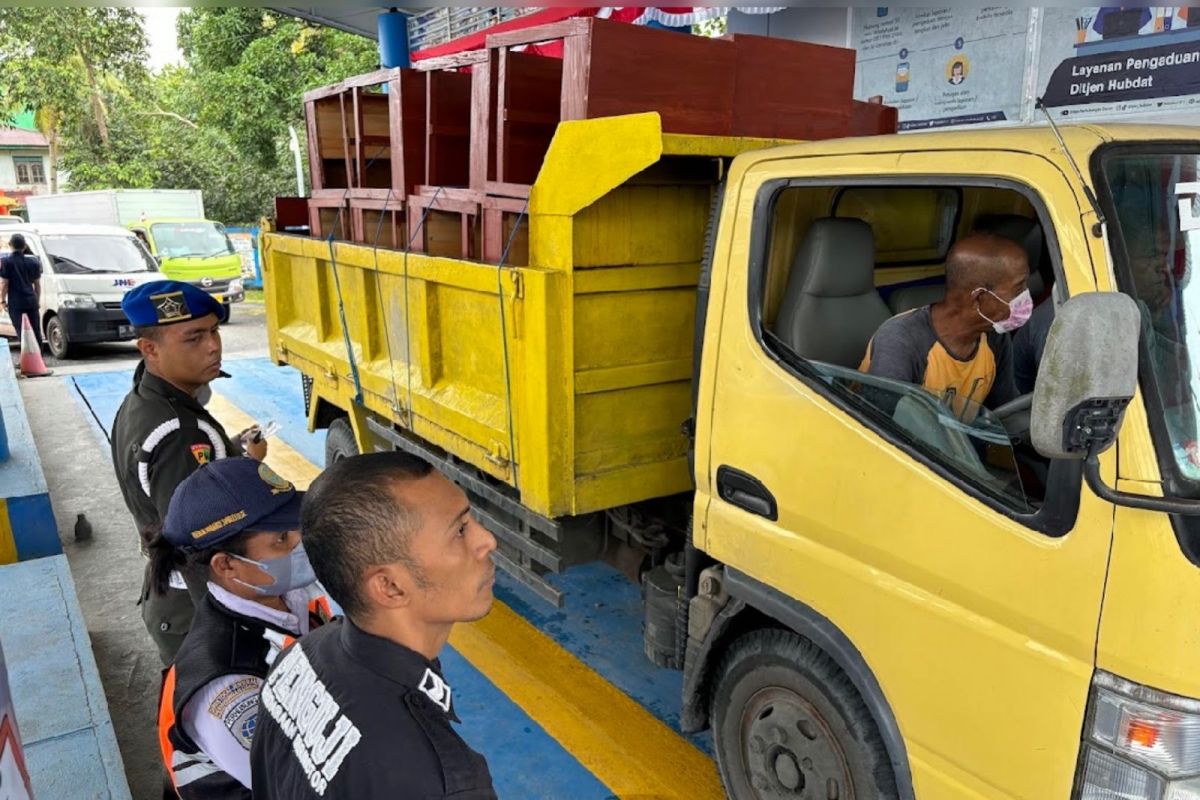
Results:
76 301
1141 743
235 286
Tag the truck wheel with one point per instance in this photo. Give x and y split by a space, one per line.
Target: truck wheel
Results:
226 313
56 337
786 718
339 442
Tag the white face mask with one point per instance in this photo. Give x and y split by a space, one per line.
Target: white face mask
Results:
1019 311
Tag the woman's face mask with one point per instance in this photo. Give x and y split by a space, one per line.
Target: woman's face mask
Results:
289 572
1020 309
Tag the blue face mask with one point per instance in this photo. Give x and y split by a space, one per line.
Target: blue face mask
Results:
289 572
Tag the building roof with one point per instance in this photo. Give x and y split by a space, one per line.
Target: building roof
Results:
15 137
24 120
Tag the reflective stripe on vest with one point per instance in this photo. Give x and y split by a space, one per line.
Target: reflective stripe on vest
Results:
166 721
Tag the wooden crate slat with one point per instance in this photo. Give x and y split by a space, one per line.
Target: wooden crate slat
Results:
379 223
530 106
484 87
791 90
448 128
329 215
870 119
500 216
443 226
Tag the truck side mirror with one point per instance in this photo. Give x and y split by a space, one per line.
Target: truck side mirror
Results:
1087 376
1086 379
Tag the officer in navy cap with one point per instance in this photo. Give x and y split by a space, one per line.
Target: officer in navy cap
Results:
162 433
239 522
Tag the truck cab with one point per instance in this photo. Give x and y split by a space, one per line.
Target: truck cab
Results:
871 592
936 605
197 251
86 271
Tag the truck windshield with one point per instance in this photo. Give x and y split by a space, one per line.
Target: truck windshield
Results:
89 253
1154 210
190 239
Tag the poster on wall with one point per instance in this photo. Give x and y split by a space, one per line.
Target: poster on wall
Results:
245 243
943 66
1111 62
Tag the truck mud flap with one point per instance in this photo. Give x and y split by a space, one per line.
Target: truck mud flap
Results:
527 541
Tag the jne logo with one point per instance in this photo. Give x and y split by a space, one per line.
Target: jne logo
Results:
123 281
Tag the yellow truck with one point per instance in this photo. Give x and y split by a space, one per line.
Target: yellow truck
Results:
873 595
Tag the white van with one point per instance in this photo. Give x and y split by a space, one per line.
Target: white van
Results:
86 270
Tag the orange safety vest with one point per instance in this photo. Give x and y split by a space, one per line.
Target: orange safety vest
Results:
220 642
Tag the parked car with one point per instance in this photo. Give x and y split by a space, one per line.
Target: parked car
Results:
86 270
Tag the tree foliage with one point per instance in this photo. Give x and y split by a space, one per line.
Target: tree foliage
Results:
218 123
56 61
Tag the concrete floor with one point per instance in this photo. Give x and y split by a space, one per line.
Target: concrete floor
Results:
108 569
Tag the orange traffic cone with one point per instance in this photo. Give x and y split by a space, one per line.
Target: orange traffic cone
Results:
32 365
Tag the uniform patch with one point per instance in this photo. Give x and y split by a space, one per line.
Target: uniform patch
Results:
203 453
170 307
278 484
436 689
236 706
321 734
240 719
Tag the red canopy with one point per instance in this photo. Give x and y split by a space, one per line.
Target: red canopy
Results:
671 16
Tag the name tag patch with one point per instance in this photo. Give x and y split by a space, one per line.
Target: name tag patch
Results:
321 734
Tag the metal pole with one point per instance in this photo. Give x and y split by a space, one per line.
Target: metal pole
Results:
294 146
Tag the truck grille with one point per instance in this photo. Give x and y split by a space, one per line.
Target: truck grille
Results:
218 286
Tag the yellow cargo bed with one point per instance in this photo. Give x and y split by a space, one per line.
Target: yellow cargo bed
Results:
567 378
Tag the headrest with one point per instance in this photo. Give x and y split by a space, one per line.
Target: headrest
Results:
838 255
1024 231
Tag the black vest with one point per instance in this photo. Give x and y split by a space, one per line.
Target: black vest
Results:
221 642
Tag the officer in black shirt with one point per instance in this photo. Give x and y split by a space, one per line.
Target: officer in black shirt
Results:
21 285
162 433
360 709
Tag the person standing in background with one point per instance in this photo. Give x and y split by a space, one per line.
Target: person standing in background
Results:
21 286
162 432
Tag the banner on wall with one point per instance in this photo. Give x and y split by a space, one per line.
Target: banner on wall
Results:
1117 61
943 66
245 242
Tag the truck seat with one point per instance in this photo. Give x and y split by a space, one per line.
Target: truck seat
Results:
906 298
830 308
1024 231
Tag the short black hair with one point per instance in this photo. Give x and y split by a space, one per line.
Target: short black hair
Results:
147 332
352 520
16 243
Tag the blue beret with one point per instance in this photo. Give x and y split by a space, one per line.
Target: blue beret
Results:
228 496
168 302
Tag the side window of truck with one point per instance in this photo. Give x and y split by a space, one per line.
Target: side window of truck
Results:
833 263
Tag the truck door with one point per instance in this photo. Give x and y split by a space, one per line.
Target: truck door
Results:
972 594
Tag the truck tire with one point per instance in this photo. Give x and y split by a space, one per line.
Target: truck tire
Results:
785 717
226 313
56 338
339 442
